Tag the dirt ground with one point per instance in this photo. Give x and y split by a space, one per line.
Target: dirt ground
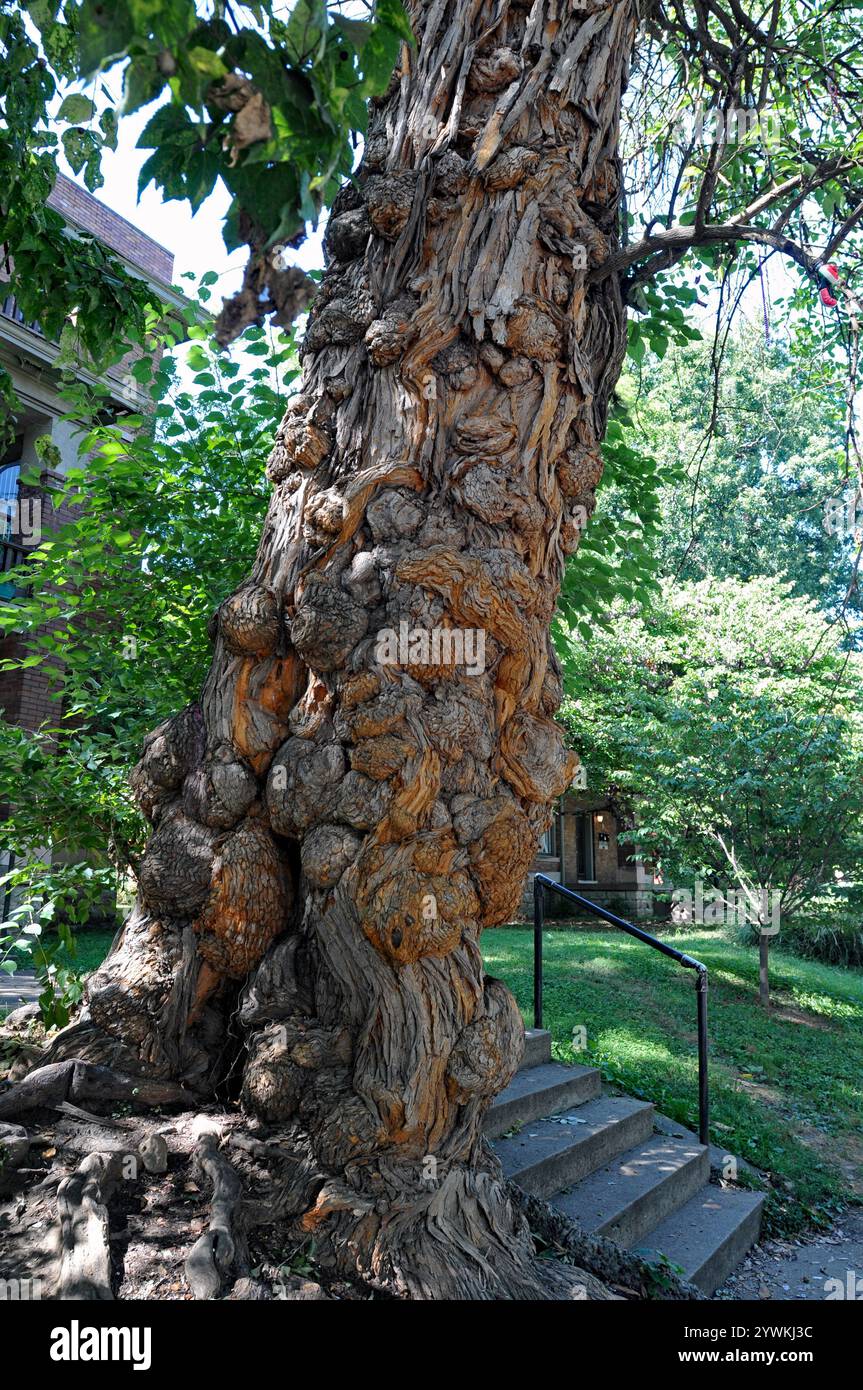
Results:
155 1218
813 1268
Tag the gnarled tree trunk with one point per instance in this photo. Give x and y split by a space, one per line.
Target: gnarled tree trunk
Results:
339 817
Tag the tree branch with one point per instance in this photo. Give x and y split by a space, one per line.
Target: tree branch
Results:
664 248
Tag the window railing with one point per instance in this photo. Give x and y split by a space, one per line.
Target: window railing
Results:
9 309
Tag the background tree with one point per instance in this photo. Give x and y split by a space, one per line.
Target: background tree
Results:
728 720
332 833
760 464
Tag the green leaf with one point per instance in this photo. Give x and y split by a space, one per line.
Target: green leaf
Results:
108 127
171 125
142 83
636 349
106 28
80 147
207 63
394 15
380 54
202 170
305 33
76 109
169 21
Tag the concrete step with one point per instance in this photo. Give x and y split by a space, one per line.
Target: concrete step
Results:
709 1234
550 1154
540 1091
537 1048
638 1189
719 1155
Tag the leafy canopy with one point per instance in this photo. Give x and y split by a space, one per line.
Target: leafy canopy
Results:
114 613
730 720
267 104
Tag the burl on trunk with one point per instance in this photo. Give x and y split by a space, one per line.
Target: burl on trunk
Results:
340 816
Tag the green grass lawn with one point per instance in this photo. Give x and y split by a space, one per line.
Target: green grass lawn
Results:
91 948
786 1088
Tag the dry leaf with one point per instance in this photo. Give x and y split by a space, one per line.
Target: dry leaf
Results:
252 123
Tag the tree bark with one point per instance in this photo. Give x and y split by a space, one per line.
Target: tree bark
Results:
337 819
764 970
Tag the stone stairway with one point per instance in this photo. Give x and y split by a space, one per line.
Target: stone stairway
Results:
597 1159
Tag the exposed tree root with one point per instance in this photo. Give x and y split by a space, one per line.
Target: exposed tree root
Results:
615 1267
84 1255
14 1147
78 1081
394 1231
411 1242
225 1195
213 1255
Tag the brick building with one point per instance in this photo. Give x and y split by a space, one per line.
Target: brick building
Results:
29 358
27 508
583 851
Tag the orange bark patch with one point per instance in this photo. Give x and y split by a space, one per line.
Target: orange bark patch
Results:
356 689
499 859
535 761
412 915
381 757
413 800
264 694
359 493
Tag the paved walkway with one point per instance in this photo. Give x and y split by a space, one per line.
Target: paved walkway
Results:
17 989
816 1267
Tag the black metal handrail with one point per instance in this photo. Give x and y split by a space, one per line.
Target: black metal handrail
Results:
540 883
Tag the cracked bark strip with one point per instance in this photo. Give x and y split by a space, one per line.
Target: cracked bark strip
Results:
84 1253
332 830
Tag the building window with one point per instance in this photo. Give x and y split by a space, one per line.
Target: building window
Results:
584 846
9 309
10 552
548 843
8 499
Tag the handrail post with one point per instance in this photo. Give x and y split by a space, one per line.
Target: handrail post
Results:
540 884
538 919
703 1097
